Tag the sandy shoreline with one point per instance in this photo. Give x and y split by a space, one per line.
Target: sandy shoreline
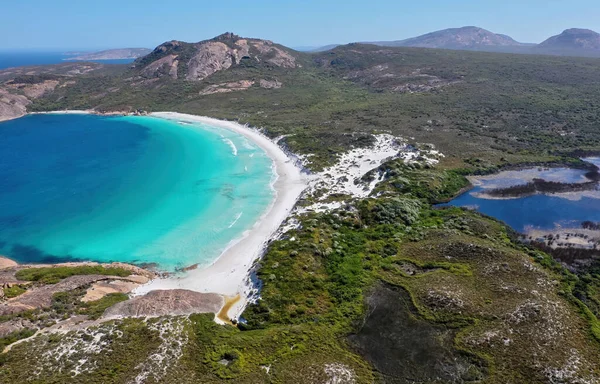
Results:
229 274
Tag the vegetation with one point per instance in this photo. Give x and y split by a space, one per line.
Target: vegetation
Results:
492 108
14 291
52 275
541 186
14 337
388 288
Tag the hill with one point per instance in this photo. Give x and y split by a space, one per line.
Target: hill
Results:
198 61
572 42
386 287
465 38
113 54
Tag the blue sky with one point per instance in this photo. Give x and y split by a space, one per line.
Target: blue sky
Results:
79 24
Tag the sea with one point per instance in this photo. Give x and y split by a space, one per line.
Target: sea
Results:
133 189
542 211
19 59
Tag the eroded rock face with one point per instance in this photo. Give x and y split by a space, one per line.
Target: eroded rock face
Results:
210 58
270 84
167 303
241 85
167 66
12 106
276 56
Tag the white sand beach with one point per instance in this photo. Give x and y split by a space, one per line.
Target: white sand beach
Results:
229 274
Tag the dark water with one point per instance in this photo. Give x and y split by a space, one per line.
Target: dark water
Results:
19 59
538 211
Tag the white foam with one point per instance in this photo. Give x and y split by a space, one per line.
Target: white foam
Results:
236 219
229 274
233 147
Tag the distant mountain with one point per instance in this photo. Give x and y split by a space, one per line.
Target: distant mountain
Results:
572 42
113 54
465 38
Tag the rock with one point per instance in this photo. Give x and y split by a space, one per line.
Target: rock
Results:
5 263
168 302
270 84
276 56
101 289
167 66
241 85
12 106
211 57
41 297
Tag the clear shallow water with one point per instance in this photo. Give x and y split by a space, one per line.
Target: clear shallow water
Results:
132 189
538 211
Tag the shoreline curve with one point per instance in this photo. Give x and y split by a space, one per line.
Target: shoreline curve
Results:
228 275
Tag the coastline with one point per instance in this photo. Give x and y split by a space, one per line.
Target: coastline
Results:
229 274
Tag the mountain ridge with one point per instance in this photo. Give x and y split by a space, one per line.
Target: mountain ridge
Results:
571 42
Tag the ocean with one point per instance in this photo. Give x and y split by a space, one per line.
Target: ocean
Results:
140 190
19 59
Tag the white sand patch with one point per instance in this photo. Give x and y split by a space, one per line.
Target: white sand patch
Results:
345 177
173 339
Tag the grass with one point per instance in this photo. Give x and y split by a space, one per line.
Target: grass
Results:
52 275
14 291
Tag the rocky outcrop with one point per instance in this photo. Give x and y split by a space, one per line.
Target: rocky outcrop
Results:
274 55
167 303
201 60
241 85
270 84
210 58
167 66
12 106
41 297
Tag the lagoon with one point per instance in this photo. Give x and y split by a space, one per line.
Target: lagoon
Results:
541 211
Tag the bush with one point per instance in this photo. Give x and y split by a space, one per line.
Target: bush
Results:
52 275
391 211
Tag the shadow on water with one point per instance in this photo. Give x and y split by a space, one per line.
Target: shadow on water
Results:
26 254
404 348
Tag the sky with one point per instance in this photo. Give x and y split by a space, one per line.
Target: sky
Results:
102 24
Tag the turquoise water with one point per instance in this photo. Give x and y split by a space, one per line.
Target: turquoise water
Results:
133 189
538 211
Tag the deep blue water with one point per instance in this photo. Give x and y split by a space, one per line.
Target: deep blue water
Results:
131 189
19 59
538 211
